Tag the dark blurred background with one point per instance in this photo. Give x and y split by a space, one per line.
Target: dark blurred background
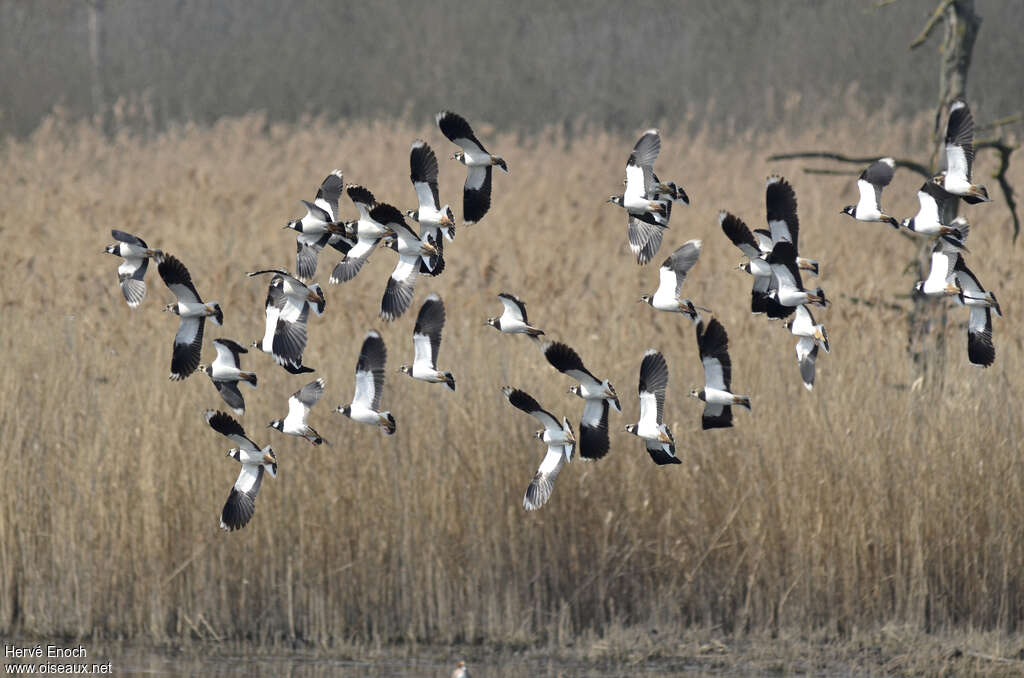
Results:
618 65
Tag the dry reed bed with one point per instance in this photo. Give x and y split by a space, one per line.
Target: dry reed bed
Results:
863 503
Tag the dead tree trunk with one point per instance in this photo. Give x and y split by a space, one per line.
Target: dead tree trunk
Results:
98 93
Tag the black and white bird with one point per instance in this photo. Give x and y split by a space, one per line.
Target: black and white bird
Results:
810 336
668 297
299 404
366 231
275 303
241 503
365 405
597 395
193 311
560 440
651 426
981 350
290 335
401 285
764 241
432 217
226 371
755 249
942 280
928 220
713 343
639 197
956 179
476 195
426 340
790 291
513 320
319 224
131 273
870 184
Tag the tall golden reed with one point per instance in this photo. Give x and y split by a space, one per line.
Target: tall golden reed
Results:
870 500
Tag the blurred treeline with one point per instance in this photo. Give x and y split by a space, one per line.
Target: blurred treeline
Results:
518 65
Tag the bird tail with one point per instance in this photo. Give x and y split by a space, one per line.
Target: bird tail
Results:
742 401
449 231
389 427
820 293
218 315
822 336
449 381
534 332
976 194
313 437
249 378
892 221
809 265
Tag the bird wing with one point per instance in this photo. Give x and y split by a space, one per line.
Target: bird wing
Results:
931 196
739 234
960 140
128 238
399 291
564 359
780 201
806 354
968 281
362 198
370 371
226 425
458 131
476 194
594 441
131 273
241 503
713 343
423 173
525 402
681 261
515 308
177 279
980 349
188 347
644 239
539 490
303 399
232 396
290 336
426 335
716 416
652 385
228 352
784 266
328 194
879 173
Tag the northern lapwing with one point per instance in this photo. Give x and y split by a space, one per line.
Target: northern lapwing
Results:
559 437
651 426
956 179
597 395
928 220
810 336
870 184
366 233
299 404
432 217
981 350
942 279
426 340
290 335
318 226
476 195
365 405
713 343
401 285
273 306
513 319
192 311
226 371
131 273
668 297
241 503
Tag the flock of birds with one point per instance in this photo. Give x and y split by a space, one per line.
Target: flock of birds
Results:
772 260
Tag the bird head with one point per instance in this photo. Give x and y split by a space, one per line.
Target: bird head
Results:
698 394
848 210
908 224
744 266
575 390
294 225
647 299
277 424
919 289
631 428
413 214
460 156
539 434
111 249
171 308
346 410
234 453
493 322
405 369
204 369
615 200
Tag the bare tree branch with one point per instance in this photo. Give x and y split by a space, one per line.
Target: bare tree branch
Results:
1004 151
857 160
933 21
